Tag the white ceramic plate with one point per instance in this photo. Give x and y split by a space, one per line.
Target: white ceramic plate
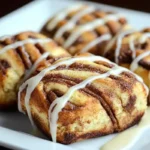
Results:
16 131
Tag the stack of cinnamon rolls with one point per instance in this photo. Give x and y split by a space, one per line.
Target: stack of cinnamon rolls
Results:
87 74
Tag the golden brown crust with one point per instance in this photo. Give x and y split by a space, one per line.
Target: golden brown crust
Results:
125 56
15 62
93 111
112 27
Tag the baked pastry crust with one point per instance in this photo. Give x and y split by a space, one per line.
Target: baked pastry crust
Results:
141 45
94 23
92 111
18 59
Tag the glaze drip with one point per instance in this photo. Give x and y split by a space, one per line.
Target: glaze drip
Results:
128 138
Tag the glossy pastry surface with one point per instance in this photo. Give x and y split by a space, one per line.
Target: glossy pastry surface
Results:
19 56
74 99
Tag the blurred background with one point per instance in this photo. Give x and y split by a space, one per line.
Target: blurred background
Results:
9 5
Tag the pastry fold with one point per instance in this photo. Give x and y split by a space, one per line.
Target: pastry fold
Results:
84 28
106 105
132 52
18 53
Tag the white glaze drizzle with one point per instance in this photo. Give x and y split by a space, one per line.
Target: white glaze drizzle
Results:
72 22
128 138
25 52
144 37
111 43
22 43
114 38
88 27
28 84
119 42
132 47
60 102
149 82
39 77
134 64
98 40
60 16
35 65
34 81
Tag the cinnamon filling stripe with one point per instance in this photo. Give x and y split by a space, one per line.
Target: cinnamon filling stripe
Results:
91 91
24 57
89 68
68 80
20 49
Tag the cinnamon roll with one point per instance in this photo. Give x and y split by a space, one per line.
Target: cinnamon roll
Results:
74 98
19 56
132 50
83 28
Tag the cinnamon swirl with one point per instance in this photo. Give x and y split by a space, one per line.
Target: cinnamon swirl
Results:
74 98
83 28
19 57
132 50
